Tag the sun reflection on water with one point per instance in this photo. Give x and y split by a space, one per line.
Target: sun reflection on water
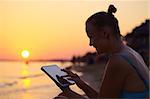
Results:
25 73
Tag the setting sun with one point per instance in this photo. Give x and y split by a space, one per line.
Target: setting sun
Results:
25 53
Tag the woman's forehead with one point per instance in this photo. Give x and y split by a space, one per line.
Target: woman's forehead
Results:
90 29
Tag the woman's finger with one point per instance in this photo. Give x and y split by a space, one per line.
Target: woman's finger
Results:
71 79
65 71
60 79
68 72
65 76
71 74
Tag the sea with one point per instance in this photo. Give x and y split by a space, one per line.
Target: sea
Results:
19 80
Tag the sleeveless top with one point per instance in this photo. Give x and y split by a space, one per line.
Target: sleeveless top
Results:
136 61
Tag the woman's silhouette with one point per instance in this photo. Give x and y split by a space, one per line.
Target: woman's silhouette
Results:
126 75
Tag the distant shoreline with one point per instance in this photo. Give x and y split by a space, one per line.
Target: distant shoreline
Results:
38 60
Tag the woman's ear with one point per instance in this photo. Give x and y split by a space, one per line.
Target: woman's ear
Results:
107 32
106 35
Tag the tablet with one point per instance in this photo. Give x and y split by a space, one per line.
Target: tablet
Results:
53 70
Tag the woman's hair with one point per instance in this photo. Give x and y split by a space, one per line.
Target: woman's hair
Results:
101 19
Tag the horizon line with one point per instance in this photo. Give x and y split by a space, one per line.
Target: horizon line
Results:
36 60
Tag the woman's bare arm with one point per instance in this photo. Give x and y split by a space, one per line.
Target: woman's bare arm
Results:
89 91
114 78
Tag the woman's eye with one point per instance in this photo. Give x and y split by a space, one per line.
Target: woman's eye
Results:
91 38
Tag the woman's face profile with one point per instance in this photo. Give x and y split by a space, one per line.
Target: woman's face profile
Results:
97 40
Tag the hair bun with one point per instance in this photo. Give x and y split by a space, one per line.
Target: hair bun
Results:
111 9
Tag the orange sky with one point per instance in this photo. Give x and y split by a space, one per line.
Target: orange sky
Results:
56 29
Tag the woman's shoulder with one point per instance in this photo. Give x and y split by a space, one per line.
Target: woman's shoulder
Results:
117 60
118 64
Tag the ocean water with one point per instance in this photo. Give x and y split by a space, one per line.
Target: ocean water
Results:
26 81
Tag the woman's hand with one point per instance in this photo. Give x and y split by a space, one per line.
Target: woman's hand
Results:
71 76
74 77
89 91
64 82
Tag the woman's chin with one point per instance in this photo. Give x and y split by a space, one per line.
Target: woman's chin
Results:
99 52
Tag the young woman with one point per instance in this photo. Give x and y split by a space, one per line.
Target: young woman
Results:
126 75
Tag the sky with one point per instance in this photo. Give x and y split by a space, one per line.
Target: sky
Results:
55 29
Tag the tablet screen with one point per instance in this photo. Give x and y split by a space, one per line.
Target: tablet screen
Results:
53 70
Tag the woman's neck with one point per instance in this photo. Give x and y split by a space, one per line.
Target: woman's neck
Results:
116 47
